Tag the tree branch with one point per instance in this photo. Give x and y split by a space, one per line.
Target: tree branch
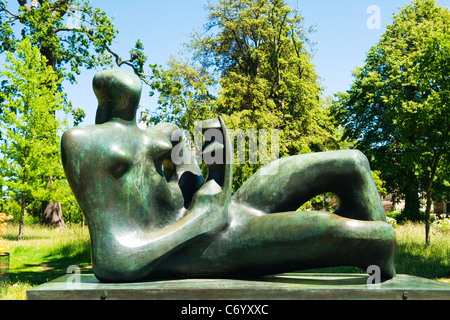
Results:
62 6
23 3
13 16
119 62
69 29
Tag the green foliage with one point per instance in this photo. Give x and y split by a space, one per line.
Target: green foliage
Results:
398 109
327 202
396 215
31 145
267 78
392 222
379 182
67 47
71 211
184 94
442 225
252 67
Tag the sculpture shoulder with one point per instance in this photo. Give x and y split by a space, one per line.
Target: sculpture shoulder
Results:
168 130
73 137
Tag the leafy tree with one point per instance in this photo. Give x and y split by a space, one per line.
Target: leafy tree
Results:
30 146
85 42
68 47
259 47
266 80
185 94
397 109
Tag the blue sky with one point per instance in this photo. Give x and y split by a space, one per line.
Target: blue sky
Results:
343 36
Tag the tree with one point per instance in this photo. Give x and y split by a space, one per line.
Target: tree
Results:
31 147
184 94
258 49
435 158
67 47
397 109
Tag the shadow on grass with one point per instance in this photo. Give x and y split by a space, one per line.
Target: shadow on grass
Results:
52 266
415 263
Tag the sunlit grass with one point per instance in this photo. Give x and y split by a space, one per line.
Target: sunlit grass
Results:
415 258
41 245
43 254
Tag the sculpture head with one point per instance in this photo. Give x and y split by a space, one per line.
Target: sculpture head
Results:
118 93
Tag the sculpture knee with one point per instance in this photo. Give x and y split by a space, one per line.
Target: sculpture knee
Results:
359 161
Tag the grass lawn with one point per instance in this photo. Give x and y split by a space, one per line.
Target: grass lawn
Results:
414 258
45 254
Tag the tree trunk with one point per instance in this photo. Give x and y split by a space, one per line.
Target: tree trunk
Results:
412 205
434 165
427 219
22 215
52 215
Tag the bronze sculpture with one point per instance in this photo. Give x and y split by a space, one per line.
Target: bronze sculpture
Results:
150 218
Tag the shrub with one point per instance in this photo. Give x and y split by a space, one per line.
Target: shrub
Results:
442 224
396 215
3 219
391 221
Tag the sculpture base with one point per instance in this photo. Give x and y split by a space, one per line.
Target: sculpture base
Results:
293 286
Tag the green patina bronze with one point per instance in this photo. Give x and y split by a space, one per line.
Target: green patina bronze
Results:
151 217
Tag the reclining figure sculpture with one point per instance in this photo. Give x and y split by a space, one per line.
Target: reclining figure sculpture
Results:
150 218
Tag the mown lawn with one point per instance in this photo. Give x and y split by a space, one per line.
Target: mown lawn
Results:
45 254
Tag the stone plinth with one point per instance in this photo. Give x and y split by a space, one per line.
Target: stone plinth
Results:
294 286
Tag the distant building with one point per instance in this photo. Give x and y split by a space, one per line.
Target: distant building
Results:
389 205
437 207
442 207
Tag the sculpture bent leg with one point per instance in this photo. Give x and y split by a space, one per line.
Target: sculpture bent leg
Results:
290 182
284 241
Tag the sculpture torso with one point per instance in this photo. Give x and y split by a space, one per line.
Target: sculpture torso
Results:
125 176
